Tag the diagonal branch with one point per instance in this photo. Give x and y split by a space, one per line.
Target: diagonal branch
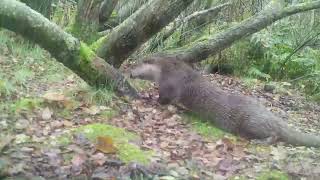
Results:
222 40
167 32
138 28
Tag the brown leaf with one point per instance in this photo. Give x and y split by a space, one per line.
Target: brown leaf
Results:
105 144
52 96
93 110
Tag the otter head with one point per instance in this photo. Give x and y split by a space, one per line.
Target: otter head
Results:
146 70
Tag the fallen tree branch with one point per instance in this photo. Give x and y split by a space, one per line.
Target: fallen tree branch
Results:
224 39
167 32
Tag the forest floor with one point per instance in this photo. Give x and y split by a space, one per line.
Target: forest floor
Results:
54 126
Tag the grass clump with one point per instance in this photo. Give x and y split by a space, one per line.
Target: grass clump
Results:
274 174
25 104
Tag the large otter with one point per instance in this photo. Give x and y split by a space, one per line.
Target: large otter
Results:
239 114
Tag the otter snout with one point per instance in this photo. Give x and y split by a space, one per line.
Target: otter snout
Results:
145 71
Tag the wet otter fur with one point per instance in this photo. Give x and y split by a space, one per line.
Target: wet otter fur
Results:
239 114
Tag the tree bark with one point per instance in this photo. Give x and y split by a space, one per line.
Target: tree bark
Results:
42 6
68 50
86 22
90 16
166 33
137 29
106 10
221 41
126 9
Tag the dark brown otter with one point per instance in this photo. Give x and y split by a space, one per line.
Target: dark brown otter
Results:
243 115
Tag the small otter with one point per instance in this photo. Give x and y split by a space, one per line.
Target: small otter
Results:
243 115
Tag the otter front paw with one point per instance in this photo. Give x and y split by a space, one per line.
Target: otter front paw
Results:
163 100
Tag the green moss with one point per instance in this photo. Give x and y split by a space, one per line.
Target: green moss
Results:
26 104
65 113
64 139
204 128
95 45
109 113
127 152
270 175
86 53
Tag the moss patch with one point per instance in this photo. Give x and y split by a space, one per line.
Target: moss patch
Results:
127 152
86 52
270 175
204 128
94 46
25 104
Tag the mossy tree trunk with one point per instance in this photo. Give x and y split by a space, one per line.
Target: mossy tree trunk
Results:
218 42
42 6
68 50
138 28
106 10
90 13
122 12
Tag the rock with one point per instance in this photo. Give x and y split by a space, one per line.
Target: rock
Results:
173 173
183 171
22 124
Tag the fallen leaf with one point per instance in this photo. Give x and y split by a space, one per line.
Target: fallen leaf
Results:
105 144
52 96
46 114
67 123
93 110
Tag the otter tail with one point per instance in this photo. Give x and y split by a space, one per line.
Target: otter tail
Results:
297 138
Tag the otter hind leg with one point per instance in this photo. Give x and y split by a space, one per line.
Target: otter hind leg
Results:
167 94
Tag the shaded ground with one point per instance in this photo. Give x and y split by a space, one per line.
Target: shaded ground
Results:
55 127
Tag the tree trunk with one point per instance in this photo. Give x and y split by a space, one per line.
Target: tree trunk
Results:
42 6
90 14
68 50
166 33
137 29
126 9
106 10
220 41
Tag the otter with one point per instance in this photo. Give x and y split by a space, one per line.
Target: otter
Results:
238 114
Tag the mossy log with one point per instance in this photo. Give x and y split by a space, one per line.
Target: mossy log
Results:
68 50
